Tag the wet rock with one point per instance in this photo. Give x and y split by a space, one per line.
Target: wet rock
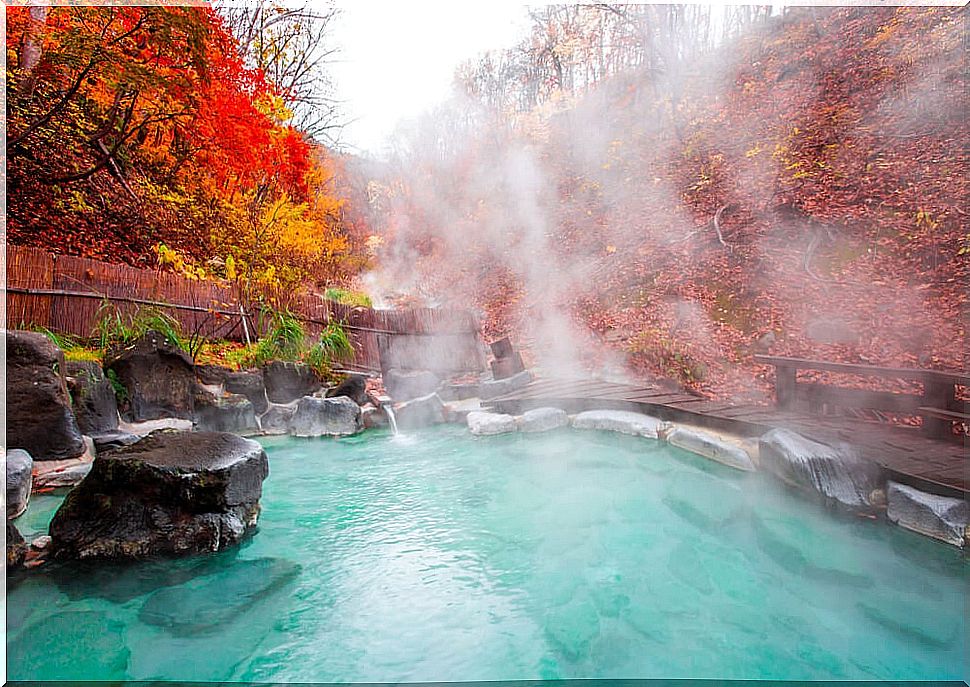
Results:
212 374
250 385
19 481
405 385
169 494
483 423
93 397
208 604
41 543
287 382
458 392
543 419
373 418
158 377
710 446
51 642
39 415
498 387
16 547
227 413
108 441
838 474
277 418
316 417
354 387
622 421
420 412
940 517
63 477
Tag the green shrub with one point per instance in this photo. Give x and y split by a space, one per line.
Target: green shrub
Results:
355 299
115 327
333 345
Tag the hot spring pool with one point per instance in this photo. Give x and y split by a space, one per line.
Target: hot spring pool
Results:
445 557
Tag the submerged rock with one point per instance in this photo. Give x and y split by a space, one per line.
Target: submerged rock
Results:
228 413
405 385
158 377
19 481
838 474
703 500
543 419
39 415
940 517
250 385
354 387
16 547
287 382
710 446
483 423
622 421
169 494
498 387
316 417
95 405
420 412
207 604
53 641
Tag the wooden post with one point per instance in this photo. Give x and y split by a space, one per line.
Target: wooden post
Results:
785 386
942 395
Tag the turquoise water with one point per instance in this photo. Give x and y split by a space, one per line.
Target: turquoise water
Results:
447 557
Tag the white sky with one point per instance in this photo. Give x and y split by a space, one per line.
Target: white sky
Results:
397 60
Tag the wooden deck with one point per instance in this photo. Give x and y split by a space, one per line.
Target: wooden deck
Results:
907 455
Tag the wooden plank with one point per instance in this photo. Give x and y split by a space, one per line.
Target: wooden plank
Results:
857 398
952 377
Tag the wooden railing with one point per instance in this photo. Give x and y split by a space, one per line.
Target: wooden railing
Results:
937 405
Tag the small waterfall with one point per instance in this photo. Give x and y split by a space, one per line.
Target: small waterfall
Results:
390 418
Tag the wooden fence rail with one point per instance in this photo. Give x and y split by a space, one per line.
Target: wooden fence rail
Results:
67 294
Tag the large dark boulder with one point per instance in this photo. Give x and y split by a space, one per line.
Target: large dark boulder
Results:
16 547
95 405
212 374
169 494
404 385
19 481
250 385
39 415
158 377
286 382
226 413
316 417
354 387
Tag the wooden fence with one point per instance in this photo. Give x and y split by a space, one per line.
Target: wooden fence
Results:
69 294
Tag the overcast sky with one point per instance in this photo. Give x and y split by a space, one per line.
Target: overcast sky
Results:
397 60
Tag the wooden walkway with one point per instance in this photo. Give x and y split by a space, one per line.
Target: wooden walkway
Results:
907 455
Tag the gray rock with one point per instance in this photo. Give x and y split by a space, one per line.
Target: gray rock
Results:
287 382
405 385
19 481
212 374
63 477
622 421
41 543
940 517
93 397
420 412
39 415
250 385
16 547
277 418
316 417
710 446
543 419
458 392
838 474
353 386
373 418
483 423
158 377
171 493
498 387
228 413
108 441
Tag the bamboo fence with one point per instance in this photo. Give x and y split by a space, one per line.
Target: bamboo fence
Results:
68 295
